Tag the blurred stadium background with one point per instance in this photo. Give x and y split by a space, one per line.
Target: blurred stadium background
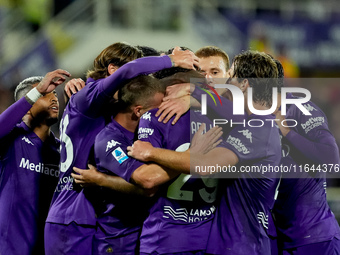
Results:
37 36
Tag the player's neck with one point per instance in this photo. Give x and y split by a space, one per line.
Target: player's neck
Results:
256 106
42 130
127 121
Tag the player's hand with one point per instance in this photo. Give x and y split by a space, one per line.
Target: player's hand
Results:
140 150
52 80
279 118
203 143
177 90
88 177
73 86
171 107
185 59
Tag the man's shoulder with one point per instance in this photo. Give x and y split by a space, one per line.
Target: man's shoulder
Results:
149 115
20 130
108 140
110 131
294 111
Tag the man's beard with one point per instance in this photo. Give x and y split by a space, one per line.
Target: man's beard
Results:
44 118
51 121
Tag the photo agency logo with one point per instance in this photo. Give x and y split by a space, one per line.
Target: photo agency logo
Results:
208 92
238 104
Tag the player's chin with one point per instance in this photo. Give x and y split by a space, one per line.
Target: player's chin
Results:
52 120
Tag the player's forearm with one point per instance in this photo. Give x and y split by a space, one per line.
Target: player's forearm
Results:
325 151
203 164
174 160
202 161
132 69
12 115
185 162
92 97
150 176
118 184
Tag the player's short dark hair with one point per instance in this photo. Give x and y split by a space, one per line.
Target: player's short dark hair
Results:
148 51
169 72
25 86
117 54
261 72
172 70
213 51
139 91
181 77
281 74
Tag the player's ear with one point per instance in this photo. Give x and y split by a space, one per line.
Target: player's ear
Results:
28 117
115 96
29 113
137 110
244 85
112 68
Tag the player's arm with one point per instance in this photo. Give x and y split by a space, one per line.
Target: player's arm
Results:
91 177
13 114
150 150
151 176
177 161
72 87
144 180
147 65
323 151
185 162
171 107
321 147
113 158
106 88
219 156
177 91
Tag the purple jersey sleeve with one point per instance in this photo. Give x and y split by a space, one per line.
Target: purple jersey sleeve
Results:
222 111
13 115
301 210
105 88
312 136
111 154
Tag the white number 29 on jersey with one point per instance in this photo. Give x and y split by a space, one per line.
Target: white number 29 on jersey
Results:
175 191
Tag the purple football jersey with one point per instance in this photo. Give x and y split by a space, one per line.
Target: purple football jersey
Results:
28 176
243 221
319 248
118 214
180 220
301 209
82 121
